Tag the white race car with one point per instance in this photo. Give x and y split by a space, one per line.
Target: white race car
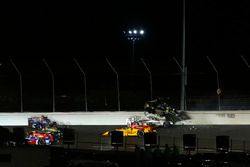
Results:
158 121
151 120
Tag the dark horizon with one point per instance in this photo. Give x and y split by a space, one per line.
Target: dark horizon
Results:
93 31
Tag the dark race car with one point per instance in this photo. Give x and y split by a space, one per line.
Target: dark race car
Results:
160 108
45 137
43 131
39 138
40 122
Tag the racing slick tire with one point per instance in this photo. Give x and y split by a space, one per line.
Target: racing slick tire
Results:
140 133
167 124
41 141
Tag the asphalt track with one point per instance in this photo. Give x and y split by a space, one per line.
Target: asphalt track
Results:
88 137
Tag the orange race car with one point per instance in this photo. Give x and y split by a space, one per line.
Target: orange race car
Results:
134 130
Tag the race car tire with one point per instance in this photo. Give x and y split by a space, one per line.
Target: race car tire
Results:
41 141
140 133
167 124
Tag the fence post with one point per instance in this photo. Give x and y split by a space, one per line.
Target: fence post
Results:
244 145
21 84
85 84
245 61
150 78
197 145
100 142
231 145
218 83
117 84
173 141
53 84
159 140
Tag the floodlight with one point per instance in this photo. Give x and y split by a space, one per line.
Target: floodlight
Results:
141 32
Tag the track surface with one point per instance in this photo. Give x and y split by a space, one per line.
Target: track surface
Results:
89 137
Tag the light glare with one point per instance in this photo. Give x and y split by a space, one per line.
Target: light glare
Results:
141 32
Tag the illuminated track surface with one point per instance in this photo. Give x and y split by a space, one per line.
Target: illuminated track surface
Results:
88 137
89 125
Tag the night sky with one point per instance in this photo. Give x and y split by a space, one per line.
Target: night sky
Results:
92 32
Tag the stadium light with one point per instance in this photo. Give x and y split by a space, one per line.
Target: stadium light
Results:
134 35
141 32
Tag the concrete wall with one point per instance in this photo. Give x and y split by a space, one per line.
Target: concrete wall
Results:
219 117
119 118
69 118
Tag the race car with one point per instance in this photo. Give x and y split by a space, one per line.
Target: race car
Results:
44 137
39 138
44 131
150 120
134 130
39 123
161 109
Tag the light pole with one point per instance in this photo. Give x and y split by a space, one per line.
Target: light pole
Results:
150 78
53 84
117 84
183 72
21 84
134 35
183 102
85 85
217 79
